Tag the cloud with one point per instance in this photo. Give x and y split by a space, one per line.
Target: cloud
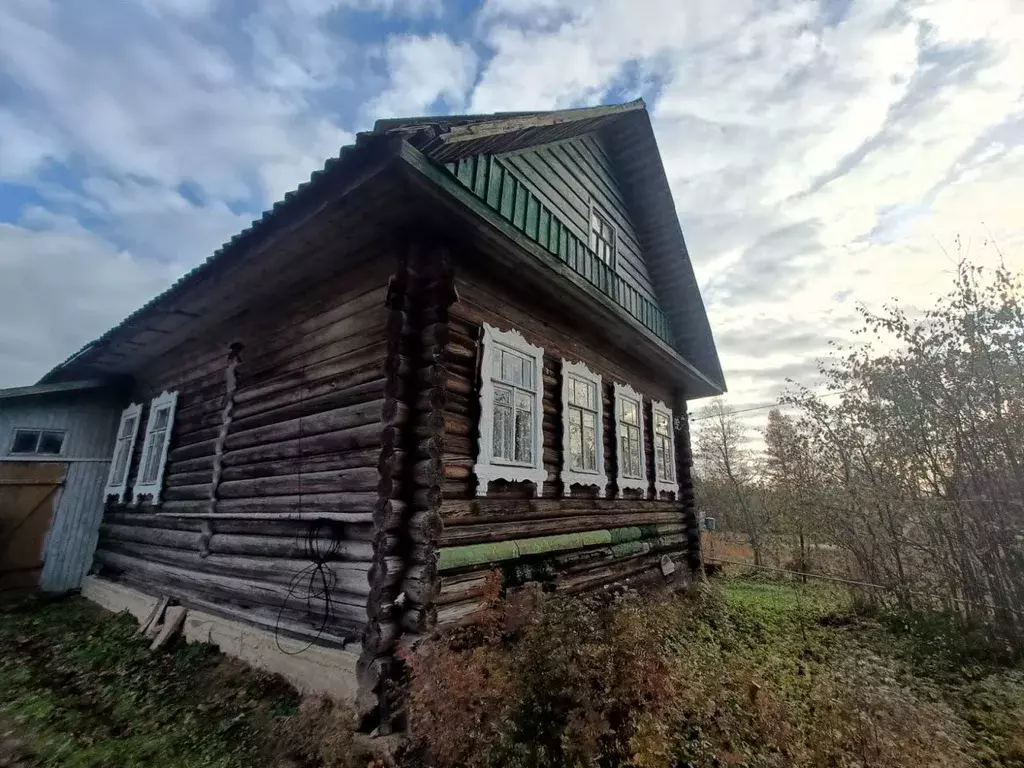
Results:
820 154
63 286
424 73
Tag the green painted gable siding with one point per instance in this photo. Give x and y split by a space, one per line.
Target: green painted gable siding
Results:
567 176
516 201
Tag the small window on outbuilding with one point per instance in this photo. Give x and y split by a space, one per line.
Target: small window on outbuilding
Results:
602 238
39 442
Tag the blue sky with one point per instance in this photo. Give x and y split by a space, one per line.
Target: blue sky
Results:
821 153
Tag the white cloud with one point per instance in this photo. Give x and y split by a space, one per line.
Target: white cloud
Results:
421 71
818 152
63 286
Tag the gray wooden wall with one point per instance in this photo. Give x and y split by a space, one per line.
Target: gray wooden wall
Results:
90 421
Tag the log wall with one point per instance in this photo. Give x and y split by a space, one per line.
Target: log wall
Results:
568 538
277 464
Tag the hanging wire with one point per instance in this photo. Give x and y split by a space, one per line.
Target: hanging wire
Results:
313 586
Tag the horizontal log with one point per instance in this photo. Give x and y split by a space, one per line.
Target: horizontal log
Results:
193 451
354 501
350 332
199 464
299 545
343 371
457 512
348 417
188 492
503 531
457 614
176 479
342 440
294 629
346 582
335 481
295 404
208 585
364 457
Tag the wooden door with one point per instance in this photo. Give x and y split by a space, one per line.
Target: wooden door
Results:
28 492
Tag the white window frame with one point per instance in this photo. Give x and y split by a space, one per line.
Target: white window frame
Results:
154 488
120 489
570 476
488 467
625 392
661 483
595 235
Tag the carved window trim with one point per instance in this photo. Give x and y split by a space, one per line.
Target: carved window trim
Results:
156 454
667 484
124 445
624 393
488 467
599 477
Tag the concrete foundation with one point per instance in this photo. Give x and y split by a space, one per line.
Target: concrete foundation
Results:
313 670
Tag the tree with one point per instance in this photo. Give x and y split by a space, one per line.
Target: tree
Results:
726 472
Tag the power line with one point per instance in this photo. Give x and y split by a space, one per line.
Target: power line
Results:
763 407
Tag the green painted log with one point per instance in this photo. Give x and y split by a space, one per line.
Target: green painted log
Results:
494 552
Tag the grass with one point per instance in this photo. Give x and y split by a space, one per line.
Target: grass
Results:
755 674
81 688
811 627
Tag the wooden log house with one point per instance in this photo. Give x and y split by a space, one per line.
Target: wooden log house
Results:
465 346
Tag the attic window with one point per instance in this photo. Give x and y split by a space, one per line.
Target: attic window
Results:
40 442
602 238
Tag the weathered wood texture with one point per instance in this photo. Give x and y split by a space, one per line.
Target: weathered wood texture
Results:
572 177
273 473
509 512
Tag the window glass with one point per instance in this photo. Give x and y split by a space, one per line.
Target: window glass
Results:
602 238
50 443
513 438
663 453
631 443
25 441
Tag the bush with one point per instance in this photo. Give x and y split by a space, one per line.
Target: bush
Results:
660 682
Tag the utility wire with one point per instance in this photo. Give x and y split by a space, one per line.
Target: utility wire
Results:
764 407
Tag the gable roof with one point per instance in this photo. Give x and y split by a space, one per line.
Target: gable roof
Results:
444 139
634 148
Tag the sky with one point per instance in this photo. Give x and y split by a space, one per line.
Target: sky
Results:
822 153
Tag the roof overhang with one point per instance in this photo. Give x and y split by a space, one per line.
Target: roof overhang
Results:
51 389
365 193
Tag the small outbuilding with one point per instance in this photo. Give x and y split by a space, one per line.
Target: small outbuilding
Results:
55 446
